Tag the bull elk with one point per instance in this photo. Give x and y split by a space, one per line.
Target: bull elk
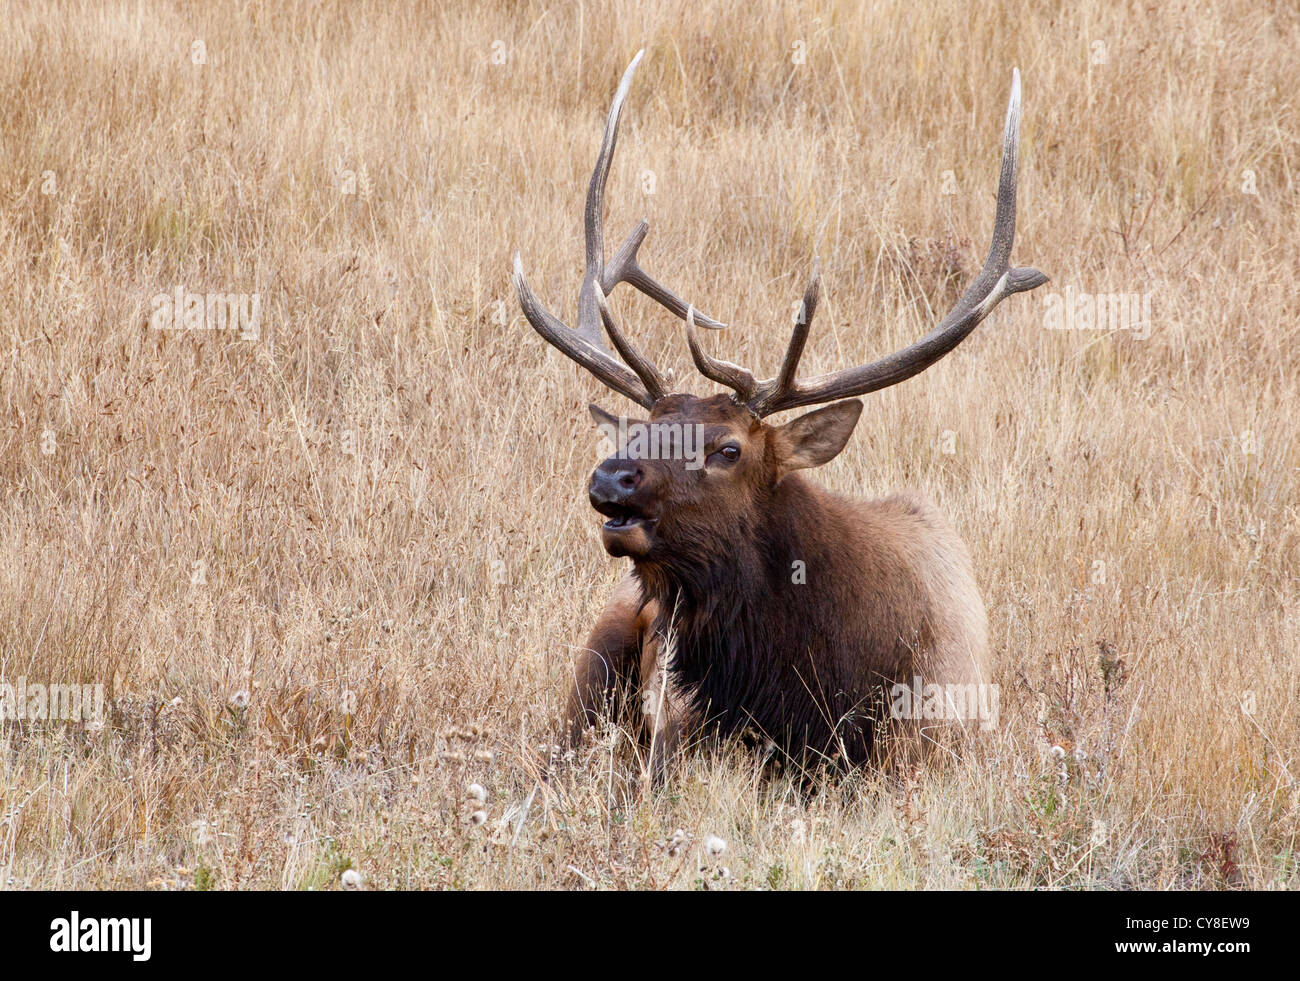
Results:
756 599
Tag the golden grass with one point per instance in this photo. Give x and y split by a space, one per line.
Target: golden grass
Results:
384 494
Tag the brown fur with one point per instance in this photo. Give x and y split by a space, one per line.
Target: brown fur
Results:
889 594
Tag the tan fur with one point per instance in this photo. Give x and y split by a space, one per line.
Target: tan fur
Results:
623 646
927 543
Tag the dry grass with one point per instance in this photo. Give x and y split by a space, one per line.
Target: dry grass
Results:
384 494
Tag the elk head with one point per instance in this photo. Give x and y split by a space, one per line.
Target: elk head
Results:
695 475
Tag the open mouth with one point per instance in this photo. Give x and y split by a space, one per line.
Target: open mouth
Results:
629 521
620 519
626 531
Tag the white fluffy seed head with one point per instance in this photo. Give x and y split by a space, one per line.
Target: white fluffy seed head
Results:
799 831
714 846
476 792
478 817
351 879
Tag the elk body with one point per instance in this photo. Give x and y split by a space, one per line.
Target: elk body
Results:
757 600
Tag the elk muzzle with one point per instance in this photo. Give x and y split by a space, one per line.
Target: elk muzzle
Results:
621 490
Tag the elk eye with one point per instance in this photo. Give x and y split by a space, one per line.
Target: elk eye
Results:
730 452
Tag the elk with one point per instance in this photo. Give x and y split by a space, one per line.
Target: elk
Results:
757 601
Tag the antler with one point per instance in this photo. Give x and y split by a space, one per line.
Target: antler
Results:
643 383
996 281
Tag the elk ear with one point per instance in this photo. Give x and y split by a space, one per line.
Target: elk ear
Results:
817 437
611 431
602 417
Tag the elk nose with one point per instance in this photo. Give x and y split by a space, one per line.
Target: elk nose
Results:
613 482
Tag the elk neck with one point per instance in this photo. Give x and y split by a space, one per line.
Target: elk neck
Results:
739 612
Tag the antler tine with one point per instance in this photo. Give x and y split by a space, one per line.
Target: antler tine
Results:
722 372
572 343
644 368
772 390
624 268
584 344
594 214
996 281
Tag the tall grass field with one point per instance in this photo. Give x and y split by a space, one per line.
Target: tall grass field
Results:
319 549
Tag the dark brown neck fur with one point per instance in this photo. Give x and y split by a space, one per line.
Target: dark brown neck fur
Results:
756 648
